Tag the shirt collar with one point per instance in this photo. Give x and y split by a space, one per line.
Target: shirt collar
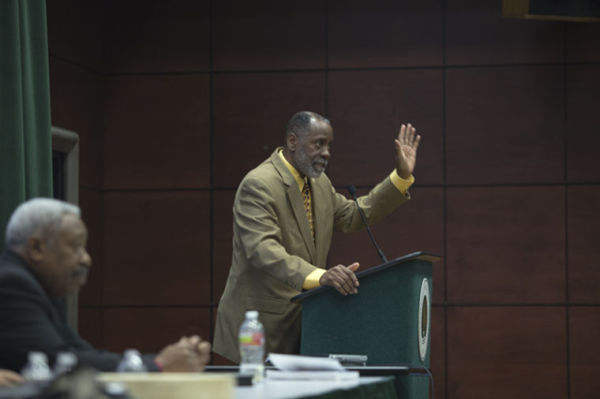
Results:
293 171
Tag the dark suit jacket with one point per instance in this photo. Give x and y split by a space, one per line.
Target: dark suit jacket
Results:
31 321
274 251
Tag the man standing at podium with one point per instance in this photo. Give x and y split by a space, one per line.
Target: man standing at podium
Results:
284 214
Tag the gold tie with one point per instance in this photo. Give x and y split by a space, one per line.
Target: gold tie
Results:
308 206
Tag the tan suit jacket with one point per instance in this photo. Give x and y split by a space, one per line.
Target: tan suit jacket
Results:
274 251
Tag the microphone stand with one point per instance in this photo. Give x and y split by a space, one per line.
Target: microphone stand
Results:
352 191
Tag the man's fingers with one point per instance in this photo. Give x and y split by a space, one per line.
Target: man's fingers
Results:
354 266
203 348
417 141
402 133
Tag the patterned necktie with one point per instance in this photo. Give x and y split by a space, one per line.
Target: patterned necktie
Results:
308 206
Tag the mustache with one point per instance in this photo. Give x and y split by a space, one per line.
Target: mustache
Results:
81 272
322 161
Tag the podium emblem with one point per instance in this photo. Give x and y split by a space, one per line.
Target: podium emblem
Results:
424 320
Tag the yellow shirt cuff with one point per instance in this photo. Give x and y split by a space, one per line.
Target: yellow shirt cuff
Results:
312 280
401 184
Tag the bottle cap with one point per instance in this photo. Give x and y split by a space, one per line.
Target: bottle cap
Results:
252 314
38 357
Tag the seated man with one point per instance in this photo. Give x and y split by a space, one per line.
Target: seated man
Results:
45 259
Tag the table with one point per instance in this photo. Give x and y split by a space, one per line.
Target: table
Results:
364 387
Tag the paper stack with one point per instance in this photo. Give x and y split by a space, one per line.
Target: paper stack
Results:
295 367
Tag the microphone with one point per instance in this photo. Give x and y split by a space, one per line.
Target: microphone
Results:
352 191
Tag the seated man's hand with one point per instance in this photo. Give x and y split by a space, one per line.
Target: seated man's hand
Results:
187 355
341 278
9 378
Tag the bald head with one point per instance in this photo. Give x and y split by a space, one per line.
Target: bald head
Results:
302 122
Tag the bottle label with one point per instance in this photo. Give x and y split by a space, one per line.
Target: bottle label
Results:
257 338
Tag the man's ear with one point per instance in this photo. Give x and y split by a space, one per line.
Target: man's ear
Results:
35 248
292 141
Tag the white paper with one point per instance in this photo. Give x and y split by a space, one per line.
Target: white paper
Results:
324 375
309 363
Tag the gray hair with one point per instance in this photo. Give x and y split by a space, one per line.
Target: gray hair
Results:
33 215
300 122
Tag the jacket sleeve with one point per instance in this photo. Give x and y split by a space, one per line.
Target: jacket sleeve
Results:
378 203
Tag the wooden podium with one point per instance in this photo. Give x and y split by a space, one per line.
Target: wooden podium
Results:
388 320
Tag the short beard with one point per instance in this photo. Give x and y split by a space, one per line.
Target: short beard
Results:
306 166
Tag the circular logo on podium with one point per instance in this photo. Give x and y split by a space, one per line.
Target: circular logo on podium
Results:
424 319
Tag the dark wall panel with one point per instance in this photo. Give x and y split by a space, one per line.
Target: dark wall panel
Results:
505 125
438 350
584 251
476 33
92 212
583 139
583 44
506 245
76 95
268 34
156 36
384 33
156 132
367 108
91 326
156 248
498 353
584 324
150 330
75 32
222 236
251 112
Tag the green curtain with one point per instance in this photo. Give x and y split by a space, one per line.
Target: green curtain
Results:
25 138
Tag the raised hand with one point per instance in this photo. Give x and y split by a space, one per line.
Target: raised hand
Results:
406 150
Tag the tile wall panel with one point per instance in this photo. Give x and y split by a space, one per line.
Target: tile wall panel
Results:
583 138
151 329
366 109
91 326
223 240
251 112
583 230
505 125
156 132
268 35
156 248
75 32
157 36
510 352
584 323
506 245
91 204
583 42
75 96
438 351
477 33
384 34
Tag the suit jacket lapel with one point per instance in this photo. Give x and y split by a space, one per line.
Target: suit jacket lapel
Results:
297 204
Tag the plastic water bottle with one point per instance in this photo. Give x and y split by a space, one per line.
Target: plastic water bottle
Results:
65 362
131 362
37 369
252 346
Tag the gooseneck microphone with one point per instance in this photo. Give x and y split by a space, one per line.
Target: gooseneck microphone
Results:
352 191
